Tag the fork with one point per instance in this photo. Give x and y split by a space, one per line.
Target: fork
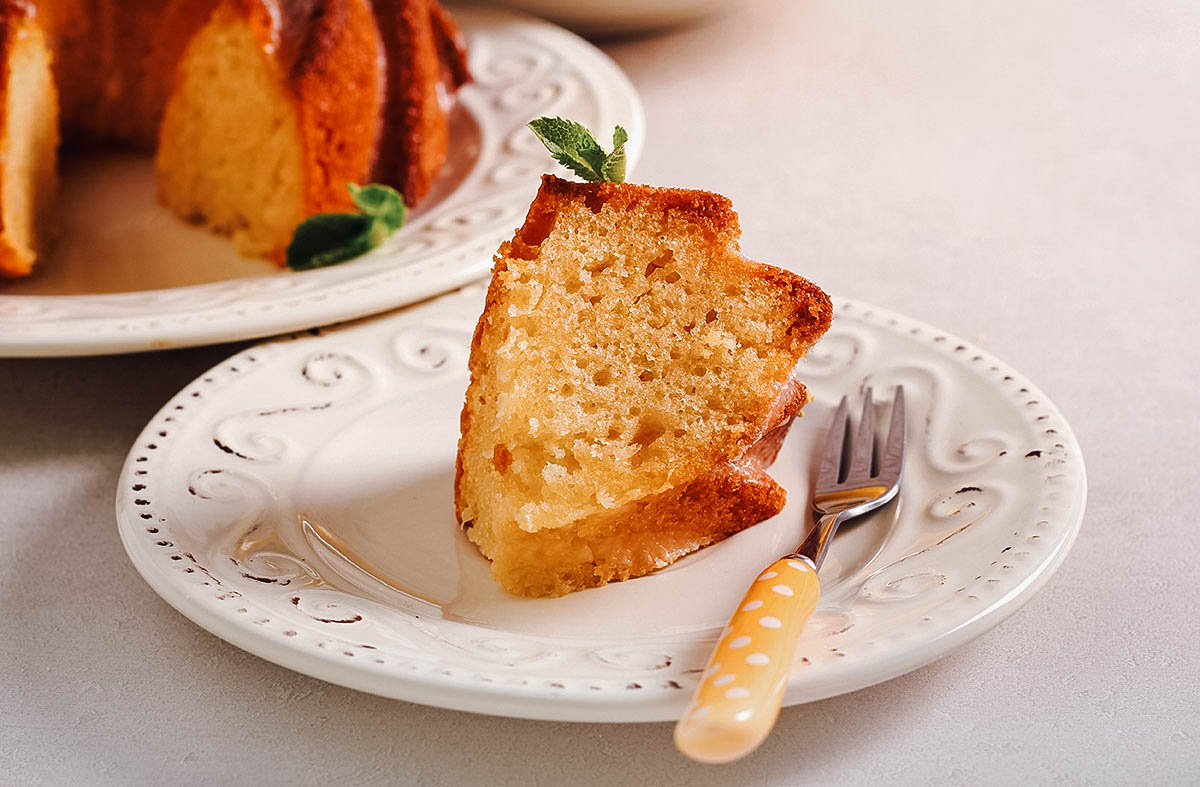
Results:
740 693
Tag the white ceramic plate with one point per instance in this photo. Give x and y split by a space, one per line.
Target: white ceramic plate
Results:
296 501
127 275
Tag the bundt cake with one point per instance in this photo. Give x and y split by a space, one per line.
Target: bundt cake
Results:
261 111
631 376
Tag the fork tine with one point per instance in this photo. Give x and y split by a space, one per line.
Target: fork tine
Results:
831 454
864 441
893 452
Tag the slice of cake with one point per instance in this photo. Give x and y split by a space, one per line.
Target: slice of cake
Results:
630 379
28 137
257 135
275 107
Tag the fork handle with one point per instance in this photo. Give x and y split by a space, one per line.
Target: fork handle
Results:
738 699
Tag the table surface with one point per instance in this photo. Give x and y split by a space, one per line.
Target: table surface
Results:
1026 175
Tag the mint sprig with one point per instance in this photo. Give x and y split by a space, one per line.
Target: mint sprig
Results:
330 238
573 146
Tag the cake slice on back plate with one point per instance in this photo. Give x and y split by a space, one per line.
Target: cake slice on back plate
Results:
256 131
631 376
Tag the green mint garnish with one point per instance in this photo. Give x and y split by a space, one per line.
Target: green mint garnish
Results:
614 164
382 202
575 148
330 238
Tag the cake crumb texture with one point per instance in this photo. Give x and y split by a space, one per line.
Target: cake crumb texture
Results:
229 155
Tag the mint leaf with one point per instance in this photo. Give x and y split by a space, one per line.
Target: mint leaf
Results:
573 146
382 202
330 238
613 169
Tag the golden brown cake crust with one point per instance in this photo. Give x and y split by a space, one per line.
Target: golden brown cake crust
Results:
452 50
13 13
28 137
322 48
426 50
731 493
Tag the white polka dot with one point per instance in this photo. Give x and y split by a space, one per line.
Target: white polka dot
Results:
768 575
713 670
784 590
737 693
752 605
798 565
701 712
725 679
739 642
770 621
758 659
743 715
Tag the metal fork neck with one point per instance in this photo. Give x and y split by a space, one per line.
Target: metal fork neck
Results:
816 544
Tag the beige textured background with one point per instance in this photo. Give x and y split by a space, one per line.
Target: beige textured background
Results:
1026 175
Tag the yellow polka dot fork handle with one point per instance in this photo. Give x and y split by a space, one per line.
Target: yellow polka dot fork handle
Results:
739 695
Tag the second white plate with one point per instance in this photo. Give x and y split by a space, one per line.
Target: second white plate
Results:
126 275
296 501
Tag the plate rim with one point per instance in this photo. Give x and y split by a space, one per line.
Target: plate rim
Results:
210 325
500 699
